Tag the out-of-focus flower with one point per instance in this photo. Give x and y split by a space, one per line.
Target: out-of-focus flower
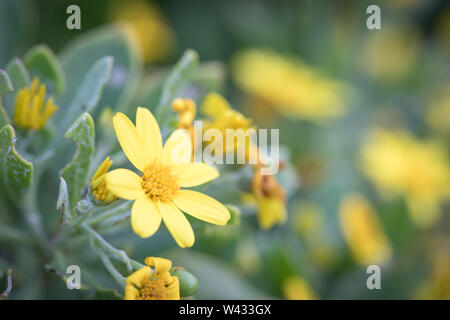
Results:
400 44
398 163
309 219
438 115
98 185
310 224
288 85
270 199
247 257
186 110
156 284
362 231
437 285
222 117
296 288
164 170
31 111
147 27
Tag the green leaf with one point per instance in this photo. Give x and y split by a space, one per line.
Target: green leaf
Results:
16 173
85 50
106 294
42 63
5 83
177 78
19 75
20 78
88 93
76 173
62 204
5 87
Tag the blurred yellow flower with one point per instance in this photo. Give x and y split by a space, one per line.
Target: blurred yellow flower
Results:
156 284
309 220
391 53
362 231
148 28
437 284
438 116
164 170
98 185
186 110
310 224
248 258
288 85
296 288
398 163
31 111
270 200
222 117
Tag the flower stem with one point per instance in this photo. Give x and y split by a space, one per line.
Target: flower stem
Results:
110 213
110 267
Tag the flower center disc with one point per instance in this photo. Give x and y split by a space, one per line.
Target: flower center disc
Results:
153 289
159 183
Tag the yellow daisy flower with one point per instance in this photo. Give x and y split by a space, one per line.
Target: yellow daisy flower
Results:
164 170
156 284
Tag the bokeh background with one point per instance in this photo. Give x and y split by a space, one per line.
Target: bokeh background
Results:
364 119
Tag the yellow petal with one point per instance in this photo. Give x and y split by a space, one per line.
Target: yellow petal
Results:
177 224
178 148
202 207
139 277
150 134
215 105
131 293
129 140
125 184
145 218
103 168
161 265
173 290
194 174
271 211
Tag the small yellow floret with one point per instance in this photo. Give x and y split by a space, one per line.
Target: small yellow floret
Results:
98 185
30 111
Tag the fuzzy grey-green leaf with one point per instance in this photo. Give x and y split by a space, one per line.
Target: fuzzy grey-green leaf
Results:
20 78
176 79
5 87
89 91
42 63
106 41
16 173
5 83
76 173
